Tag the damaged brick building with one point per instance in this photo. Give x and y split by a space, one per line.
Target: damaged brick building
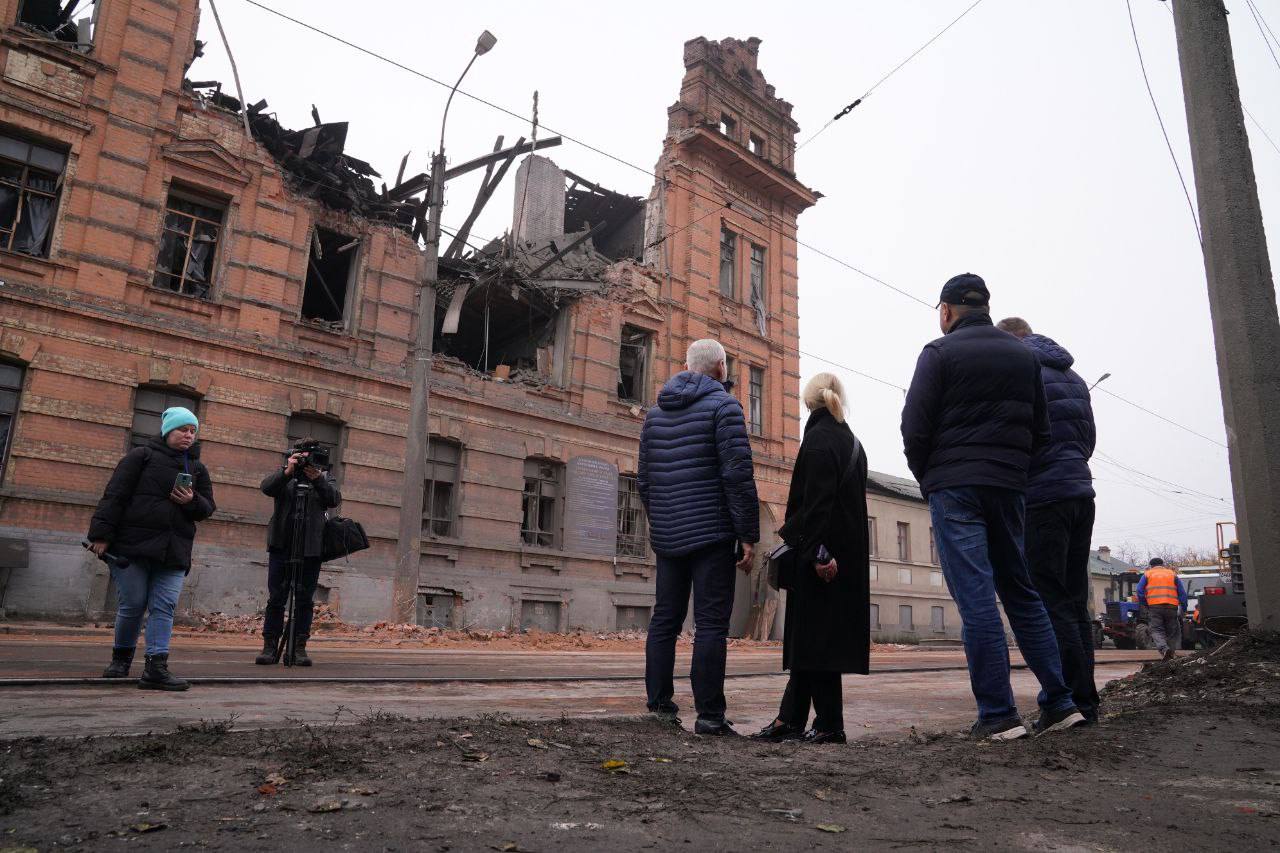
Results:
161 245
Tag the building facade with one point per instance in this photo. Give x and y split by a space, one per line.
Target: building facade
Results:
909 598
162 245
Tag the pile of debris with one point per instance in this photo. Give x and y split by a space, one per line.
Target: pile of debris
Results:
1244 671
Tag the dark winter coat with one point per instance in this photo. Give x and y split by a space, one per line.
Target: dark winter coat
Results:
1060 469
324 496
135 516
827 624
695 474
975 413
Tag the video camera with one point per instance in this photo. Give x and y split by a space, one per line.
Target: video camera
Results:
313 453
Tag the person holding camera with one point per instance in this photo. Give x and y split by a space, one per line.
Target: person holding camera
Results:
303 477
145 525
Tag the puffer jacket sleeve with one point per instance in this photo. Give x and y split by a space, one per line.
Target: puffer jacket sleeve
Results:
920 413
202 505
116 497
737 474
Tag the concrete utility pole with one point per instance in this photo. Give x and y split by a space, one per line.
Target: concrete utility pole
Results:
1242 298
404 592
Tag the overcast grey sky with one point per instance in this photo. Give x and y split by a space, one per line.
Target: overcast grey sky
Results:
1021 146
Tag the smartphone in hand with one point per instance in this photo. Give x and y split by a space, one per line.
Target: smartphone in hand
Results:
184 481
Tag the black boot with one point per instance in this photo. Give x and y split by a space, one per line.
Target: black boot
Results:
270 652
121 660
157 676
300 652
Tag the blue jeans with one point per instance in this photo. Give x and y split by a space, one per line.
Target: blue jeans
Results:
146 585
710 574
979 533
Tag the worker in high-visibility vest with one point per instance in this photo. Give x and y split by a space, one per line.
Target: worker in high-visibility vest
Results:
1165 597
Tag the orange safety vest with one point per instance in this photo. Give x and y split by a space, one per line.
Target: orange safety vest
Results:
1162 586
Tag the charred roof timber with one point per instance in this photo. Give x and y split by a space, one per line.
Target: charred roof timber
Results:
57 20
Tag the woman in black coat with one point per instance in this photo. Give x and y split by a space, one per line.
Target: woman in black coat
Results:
147 520
827 630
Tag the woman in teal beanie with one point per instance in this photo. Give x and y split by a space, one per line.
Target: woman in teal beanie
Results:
147 516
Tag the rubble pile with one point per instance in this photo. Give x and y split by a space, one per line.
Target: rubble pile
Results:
1244 671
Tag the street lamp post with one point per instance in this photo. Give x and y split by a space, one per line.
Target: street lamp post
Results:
1101 379
409 541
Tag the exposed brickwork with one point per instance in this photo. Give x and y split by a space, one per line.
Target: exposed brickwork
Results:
90 328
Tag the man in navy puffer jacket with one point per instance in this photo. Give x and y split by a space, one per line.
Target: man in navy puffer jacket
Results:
1060 512
697 484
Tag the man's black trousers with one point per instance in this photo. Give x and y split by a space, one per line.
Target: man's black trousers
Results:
1058 535
278 594
823 691
709 573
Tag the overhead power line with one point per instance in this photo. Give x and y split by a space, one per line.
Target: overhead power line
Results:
1263 31
1163 418
1163 130
876 85
720 202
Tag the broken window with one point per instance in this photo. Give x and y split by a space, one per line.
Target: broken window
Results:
438 507
30 182
728 251
330 270
541 503
728 125
756 400
633 534
10 391
498 327
148 407
327 431
633 368
189 244
756 145
758 286
69 21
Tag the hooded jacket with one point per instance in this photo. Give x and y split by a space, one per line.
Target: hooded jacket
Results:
135 516
975 413
279 487
695 474
1060 469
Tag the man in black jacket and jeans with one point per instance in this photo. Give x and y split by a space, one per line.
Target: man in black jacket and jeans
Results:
280 485
974 416
1060 512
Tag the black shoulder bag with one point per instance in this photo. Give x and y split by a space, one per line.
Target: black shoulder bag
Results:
341 537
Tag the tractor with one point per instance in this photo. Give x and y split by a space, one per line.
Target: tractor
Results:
1124 622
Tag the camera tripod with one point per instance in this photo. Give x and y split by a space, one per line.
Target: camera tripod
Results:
303 493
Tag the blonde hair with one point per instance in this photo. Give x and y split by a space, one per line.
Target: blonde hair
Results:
824 391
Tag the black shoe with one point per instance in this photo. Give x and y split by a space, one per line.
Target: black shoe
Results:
1000 730
815 736
1057 721
665 712
156 675
300 652
270 652
121 660
777 732
714 728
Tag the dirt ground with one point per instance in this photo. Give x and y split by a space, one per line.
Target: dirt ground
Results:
1188 753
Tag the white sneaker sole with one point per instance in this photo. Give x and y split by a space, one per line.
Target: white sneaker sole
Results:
1015 733
1066 723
